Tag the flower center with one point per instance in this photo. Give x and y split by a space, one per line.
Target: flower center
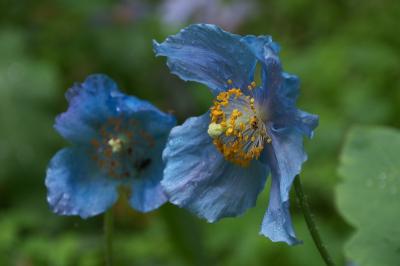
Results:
236 126
122 148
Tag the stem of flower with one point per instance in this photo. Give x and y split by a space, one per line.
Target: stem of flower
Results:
305 207
108 236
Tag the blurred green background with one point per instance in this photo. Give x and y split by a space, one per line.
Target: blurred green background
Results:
346 53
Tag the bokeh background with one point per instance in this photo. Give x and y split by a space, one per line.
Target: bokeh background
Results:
346 53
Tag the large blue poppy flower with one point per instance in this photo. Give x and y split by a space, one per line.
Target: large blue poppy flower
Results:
116 140
217 164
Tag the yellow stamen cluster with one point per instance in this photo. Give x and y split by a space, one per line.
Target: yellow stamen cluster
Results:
116 145
237 131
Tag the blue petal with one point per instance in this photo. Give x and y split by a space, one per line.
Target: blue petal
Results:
130 104
76 187
257 44
306 123
266 52
90 104
279 90
296 119
277 224
285 158
209 55
198 177
285 114
147 191
152 119
290 88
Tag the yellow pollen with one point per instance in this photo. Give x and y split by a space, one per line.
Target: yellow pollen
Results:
236 128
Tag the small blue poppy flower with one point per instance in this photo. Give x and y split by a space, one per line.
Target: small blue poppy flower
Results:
116 140
217 164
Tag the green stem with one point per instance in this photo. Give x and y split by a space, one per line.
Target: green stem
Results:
108 236
305 207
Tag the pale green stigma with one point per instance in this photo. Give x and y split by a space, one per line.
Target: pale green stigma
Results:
115 144
215 130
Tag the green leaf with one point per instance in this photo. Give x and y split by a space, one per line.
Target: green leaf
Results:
369 195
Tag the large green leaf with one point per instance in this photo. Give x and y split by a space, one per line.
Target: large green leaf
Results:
369 195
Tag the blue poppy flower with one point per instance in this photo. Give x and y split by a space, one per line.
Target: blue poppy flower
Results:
116 140
217 163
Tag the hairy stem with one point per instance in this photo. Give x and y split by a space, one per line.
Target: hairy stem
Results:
305 207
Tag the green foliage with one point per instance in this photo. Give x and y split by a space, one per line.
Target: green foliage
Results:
369 195
185 234
27 88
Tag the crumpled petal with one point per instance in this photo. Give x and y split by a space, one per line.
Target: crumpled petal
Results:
76 186
277 223
290 88
266 51
280 89
152 120
275 83
285 158
303 122
198 177
285 114
209 55
90 104
128 105
306 123
147 191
